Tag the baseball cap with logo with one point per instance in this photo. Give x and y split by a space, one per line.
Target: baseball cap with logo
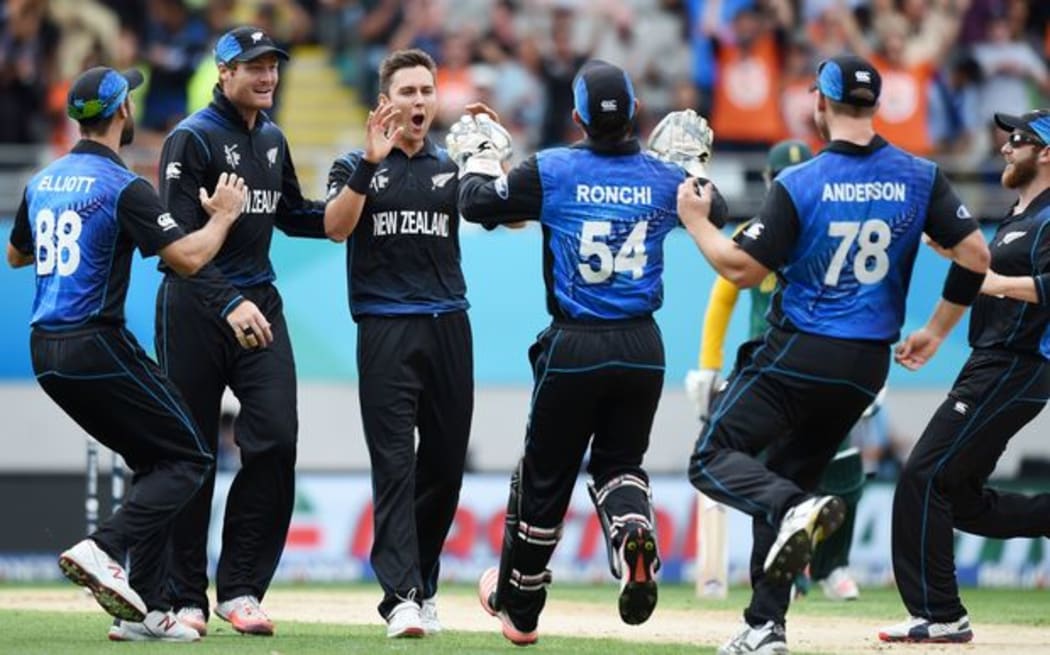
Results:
1035 123
787 153
98 92
850 80
603 95
244 44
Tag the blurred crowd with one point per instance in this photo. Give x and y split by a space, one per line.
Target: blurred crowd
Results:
947 65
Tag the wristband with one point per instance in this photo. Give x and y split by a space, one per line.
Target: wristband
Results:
362 176
962 285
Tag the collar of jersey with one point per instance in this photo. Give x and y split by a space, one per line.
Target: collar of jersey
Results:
1038 204
89 147
625 147
428 150
229 111
850 148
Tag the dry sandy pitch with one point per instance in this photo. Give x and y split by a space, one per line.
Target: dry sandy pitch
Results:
461 612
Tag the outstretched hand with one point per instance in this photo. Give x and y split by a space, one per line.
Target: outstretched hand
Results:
228 197
380 132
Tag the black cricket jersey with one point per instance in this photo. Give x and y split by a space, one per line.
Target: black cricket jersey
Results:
1021 247
215 140
81 217
403 257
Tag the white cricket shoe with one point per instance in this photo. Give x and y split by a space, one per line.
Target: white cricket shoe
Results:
193 617
157 626
429 616
804 526
839 585
920 630
405 620
89 566
487 597
246 616
767 639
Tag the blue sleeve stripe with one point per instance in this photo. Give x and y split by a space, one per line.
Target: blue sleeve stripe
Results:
230 305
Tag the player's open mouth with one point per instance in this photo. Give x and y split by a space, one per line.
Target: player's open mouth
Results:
417 120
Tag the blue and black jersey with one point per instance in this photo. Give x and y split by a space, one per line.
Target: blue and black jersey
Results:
80 218
1021 247
216 140
403 258
605 213
842 231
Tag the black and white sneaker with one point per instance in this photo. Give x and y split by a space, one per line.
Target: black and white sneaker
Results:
803 527
638 564
767 639
923 631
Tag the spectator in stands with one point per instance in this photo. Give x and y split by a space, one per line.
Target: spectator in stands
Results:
375 29
907 61
956 126
796 97
176 41
745 114
557 71
28 41
1011 69
707 18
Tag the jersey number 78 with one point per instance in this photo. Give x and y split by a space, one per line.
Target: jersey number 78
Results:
870 263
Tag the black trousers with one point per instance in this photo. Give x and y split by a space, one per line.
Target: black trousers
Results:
416 372
596 386
796 396
943 484
106 383
197 349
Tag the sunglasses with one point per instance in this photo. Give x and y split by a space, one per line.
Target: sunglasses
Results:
1018 139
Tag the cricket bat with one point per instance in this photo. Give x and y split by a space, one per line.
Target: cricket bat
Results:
712 571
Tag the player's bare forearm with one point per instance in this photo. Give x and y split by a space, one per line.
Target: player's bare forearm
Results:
342 214
18 259
727 258
190 253
946 315
1017 287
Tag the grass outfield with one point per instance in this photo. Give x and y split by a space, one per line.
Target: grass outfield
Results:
83 633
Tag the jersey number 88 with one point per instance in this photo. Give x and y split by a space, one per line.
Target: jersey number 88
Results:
56 242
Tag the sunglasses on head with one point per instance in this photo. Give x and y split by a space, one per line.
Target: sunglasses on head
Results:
1018 139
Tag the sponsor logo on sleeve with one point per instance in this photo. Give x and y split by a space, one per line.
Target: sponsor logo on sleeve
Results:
754 230
173 170
271 156
502 189
963 212
166 222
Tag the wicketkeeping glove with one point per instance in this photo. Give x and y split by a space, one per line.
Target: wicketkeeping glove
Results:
701 386
478 144
683 138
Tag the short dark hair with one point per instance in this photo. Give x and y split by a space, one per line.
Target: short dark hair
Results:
97 126
610 129
400 59
842 109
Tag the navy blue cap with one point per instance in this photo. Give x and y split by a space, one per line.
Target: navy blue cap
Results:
603 90
99 91
1036 123
850 80
244 44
